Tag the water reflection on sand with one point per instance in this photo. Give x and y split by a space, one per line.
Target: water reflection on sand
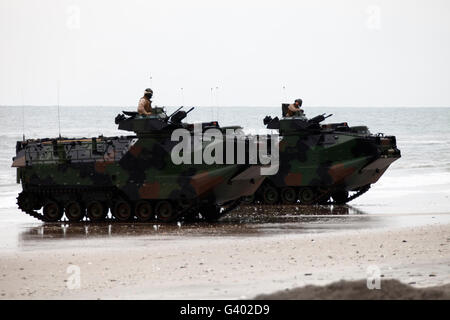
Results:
245 221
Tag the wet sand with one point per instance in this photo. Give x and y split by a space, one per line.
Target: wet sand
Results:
244 255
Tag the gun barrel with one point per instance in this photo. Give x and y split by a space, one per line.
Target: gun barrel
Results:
175 112
190 110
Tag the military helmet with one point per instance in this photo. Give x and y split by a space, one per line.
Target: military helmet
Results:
148 91
299 102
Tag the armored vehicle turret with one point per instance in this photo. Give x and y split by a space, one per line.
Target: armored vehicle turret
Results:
133 176
324 163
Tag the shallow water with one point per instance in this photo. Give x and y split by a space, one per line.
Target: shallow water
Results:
243 222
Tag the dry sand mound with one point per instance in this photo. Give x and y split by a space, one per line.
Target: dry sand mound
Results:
357 290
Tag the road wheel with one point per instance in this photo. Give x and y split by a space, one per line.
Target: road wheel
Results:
164 211
122 210
184 203
248 199
307 195
270 195
96 211
52 211
288 195
340 196
143 211
74 212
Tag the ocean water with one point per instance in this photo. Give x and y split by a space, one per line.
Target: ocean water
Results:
419 182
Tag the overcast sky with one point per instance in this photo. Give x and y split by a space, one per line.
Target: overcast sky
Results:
328 52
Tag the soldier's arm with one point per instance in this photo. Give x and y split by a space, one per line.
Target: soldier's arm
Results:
141 108
293 108
150 107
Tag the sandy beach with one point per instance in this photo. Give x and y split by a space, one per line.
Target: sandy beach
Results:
174 265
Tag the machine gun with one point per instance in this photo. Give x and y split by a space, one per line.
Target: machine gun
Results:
319 118
177 116
174 113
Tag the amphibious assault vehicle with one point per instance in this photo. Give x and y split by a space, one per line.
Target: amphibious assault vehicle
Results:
324 163
132 176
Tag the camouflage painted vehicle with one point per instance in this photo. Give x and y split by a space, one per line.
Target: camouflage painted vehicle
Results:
324 164
132 176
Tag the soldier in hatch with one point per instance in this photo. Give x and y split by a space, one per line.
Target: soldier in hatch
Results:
145 104
294 109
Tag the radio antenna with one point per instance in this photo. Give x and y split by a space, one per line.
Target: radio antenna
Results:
217 103
284 94
182 97
23 115
212 103
59 116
